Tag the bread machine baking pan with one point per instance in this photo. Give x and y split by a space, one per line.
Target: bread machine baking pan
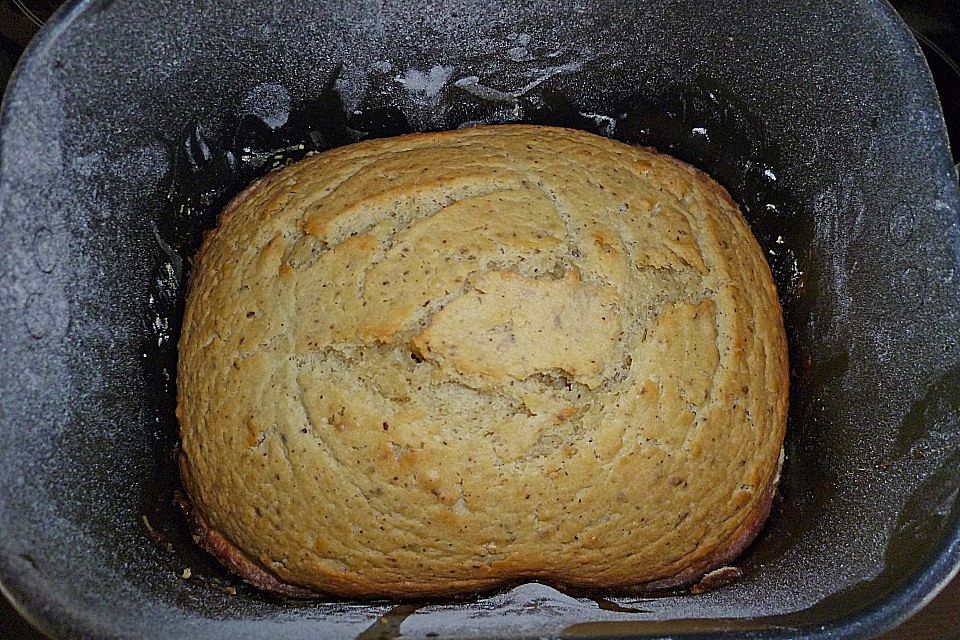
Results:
128 124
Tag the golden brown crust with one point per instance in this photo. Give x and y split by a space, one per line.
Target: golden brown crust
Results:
240 565
443 363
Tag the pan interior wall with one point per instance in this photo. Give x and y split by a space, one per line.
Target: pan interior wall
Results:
121 144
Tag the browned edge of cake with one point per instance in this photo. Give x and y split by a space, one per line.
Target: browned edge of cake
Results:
241 565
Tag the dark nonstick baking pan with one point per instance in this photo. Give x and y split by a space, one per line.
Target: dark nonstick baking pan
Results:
128 124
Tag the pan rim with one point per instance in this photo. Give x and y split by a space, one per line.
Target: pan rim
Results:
912 595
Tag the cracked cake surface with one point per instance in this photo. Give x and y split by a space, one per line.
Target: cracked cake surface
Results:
442 362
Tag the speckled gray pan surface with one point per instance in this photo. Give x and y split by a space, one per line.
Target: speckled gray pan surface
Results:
129 123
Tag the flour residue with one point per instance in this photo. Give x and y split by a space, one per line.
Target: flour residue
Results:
472 84
512 614
605 124
833 231
269 102
427 84
518 51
